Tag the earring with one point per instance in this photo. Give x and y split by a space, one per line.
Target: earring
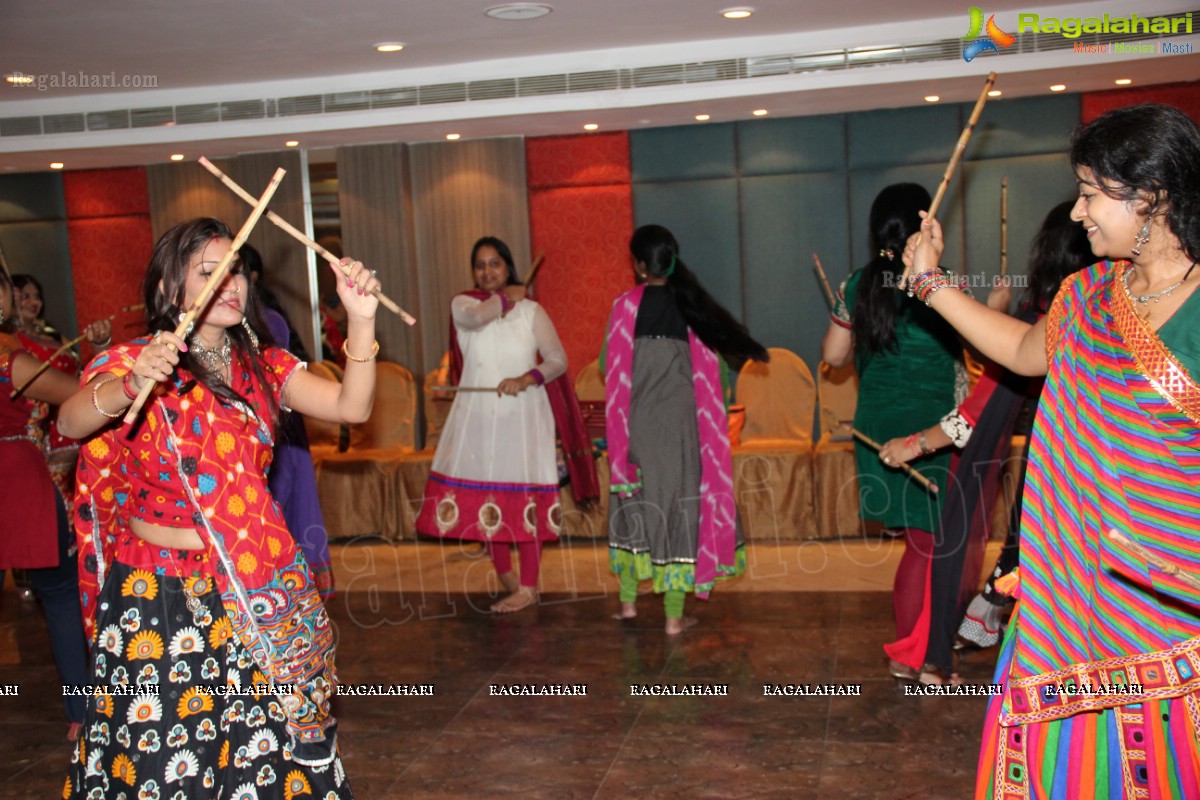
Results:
250 333
1141 238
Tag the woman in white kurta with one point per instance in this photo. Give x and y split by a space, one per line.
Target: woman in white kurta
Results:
495 477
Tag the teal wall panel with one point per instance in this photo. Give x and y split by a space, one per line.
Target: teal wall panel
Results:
691 152
703 215
33 235
1026 126
30 196
785 219
793 145
899 136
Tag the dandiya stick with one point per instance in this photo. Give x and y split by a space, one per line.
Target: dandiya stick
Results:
962 144
1151 559
216 279
912 473
464 389
533 271
45 365
824 281
1003 226
299 236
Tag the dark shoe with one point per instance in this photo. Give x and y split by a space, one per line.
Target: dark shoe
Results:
901 671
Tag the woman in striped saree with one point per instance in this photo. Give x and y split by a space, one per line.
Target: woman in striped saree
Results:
1101 669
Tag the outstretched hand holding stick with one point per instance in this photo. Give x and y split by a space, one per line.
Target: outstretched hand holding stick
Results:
912 473
215 280
824 281
45 365
292 231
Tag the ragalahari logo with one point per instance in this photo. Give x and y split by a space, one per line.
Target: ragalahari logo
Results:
992 41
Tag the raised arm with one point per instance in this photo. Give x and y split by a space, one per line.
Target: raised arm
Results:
1014 344
471 314
349 401
837 348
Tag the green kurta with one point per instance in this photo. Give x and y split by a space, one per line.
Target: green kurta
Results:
902 391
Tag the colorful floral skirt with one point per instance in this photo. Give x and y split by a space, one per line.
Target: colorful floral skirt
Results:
179 709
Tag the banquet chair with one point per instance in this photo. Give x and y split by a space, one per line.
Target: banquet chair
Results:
772 466
835 473
324 438
355 487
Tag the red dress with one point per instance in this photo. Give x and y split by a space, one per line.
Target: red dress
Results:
26 491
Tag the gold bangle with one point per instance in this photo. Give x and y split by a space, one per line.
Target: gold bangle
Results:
374 352
96 399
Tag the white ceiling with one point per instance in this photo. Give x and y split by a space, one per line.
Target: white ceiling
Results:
222 50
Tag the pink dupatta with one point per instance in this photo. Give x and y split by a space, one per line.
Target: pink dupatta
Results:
717 535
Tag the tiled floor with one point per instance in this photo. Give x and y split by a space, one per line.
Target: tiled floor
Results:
816 613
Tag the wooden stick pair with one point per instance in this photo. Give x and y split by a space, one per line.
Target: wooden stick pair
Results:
292 231
912 473
215 280
45 365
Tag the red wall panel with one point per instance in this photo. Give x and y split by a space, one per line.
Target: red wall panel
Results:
108 229
581 218
1184 96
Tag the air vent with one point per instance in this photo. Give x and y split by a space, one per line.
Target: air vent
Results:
63 123
243 109
197 114
538 85
21 126
499 89
152 117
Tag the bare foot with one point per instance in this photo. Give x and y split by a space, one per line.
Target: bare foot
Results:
523 597
509 581
677 625
628 611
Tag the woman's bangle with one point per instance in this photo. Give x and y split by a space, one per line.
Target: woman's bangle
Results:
374 352
537 376
924 446
127 387
96 398
925 285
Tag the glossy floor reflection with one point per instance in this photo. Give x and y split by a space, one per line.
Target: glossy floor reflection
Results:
465 742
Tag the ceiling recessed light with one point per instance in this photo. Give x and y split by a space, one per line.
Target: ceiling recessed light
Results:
1058 87
591 126
389 47
454 137
19 80
740 12
995 93
56 165
703 118
177 156
291 143
931 98
1123 81
518 12
759 112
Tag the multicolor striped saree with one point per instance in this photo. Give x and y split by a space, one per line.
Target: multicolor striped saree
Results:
1101 671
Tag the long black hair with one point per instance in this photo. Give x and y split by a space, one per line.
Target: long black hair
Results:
163 289
506 254
1059 249
1152 149
893 219
656 248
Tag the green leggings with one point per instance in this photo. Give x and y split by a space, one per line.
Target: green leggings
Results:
672 598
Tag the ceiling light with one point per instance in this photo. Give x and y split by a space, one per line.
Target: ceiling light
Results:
931 98
759 112
454 137
740 12
177 157
703 118
995 93
1058 87
1123 81
291 143
591 126
518 12
56 165
390 47
19 80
